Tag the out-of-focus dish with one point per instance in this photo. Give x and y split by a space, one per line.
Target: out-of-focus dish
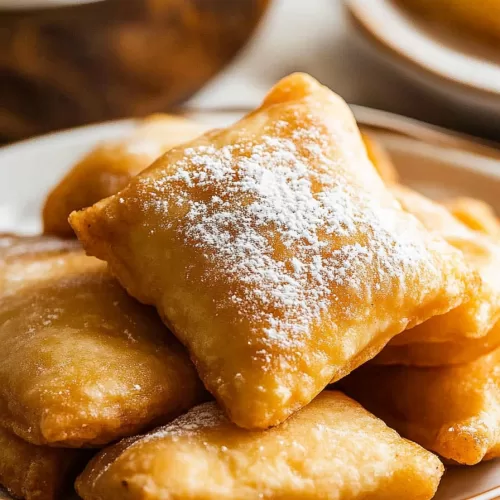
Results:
479 20
461 70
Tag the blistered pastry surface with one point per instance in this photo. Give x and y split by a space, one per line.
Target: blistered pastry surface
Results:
331 449
275 252
454 411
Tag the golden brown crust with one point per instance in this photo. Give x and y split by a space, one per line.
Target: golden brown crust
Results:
28 260
275 253
478 19
454 411
83 364
472 329
440 353
35 472
331 449
109 167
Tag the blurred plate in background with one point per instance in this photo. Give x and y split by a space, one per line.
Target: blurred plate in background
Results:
460 70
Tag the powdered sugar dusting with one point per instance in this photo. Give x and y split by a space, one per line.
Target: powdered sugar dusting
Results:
199 418
196 420
282 224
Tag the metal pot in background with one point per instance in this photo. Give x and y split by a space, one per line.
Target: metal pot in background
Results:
65 63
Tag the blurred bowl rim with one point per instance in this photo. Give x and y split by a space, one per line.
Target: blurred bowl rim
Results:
383 22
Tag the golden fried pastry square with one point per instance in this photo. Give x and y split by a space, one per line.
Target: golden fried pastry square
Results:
275 253
36 472
84 364
331 449
476 214
473 328
380 158
452 410
27 260
109 167
439 352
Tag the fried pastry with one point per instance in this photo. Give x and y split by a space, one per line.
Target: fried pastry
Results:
440 353
473 328
380 158
109 167
331 449
36 472
453 410
275 253
27 260
84 364
476 214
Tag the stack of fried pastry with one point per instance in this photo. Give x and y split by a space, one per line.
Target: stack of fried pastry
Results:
279 261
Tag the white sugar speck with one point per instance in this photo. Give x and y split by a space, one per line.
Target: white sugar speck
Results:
199 418
264 221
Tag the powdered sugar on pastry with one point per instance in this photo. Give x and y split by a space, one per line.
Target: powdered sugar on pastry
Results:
275 253
199 418
252 195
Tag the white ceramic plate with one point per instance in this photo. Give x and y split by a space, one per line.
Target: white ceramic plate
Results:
457 69
434 161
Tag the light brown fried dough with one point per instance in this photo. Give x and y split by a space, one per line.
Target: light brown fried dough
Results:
454 411
446 352
83 364
472 329
36 472
28 260
13 246
475 214
380 158
275 253
109 167
332 449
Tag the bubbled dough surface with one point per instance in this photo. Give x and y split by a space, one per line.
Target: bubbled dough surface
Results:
331 449
275 253
454 411
84 364
473 328
34 472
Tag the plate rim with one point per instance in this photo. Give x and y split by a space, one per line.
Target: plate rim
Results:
486 495
365 116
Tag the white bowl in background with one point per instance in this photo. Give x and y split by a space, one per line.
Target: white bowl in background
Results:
458 70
